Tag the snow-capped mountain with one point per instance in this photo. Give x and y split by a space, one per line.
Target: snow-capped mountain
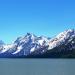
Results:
25 45
62 38
31 44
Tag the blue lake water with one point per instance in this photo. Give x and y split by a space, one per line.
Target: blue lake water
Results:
37 66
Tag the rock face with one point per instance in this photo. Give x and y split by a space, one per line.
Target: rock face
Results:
31 45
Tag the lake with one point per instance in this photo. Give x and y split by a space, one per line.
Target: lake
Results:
37 66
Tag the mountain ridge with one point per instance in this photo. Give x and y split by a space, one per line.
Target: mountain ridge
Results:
31 45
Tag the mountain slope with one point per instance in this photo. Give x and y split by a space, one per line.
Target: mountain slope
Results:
62 38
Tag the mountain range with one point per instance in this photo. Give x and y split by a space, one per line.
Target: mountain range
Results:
32 46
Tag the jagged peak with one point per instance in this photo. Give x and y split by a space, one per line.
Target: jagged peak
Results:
66 33
71 30
29 34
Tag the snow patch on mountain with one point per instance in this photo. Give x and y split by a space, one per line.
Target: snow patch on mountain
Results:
18 50
6 48
32 50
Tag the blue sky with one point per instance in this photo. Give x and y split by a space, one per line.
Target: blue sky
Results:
41 17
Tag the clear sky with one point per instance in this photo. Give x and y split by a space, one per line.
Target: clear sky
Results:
41 17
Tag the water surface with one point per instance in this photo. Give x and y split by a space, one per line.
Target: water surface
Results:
37 66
